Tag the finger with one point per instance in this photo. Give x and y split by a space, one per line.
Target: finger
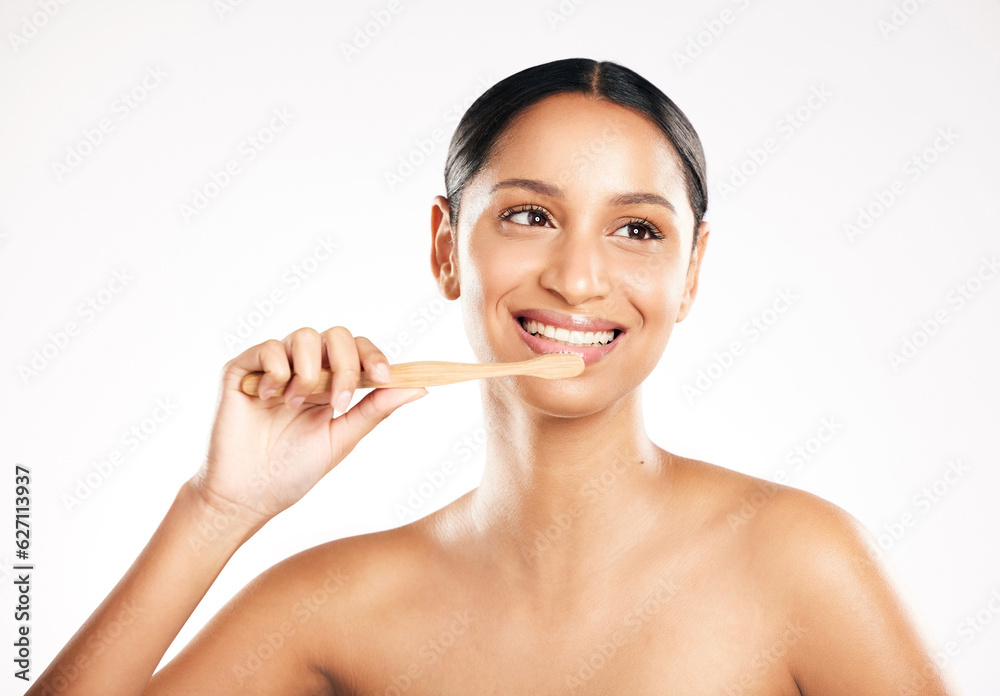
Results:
345 366
274 363
347 430
373 360
268 357
305 346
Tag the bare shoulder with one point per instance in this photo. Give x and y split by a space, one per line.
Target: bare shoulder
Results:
801 542
304 619
359 589
774 515
826 574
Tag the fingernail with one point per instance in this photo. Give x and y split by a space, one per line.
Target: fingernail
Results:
296 402
382 372
343 400
416 396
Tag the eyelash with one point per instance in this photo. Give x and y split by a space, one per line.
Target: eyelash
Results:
651 229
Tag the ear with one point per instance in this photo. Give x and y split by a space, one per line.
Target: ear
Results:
444 250
694 266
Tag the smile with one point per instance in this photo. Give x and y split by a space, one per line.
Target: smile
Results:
545 338
572 338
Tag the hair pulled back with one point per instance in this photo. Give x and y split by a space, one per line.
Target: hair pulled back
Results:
487 119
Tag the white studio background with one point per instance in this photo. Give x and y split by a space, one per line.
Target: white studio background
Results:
852 152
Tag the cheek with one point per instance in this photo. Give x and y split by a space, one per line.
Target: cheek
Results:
654 287
472 284
494 267
473 299
488 272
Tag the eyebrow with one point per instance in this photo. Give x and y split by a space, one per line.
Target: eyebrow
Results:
546 189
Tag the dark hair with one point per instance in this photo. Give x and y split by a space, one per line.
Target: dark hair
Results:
484 122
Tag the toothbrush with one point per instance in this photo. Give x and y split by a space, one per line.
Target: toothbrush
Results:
432 373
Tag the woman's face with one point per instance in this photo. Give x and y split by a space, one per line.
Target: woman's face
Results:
561 225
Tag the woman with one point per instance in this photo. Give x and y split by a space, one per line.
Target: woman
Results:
589 560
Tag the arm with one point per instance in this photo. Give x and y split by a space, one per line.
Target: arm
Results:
859 636
265 453
279 634
119 646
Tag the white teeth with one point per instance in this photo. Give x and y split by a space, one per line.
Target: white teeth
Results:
578 338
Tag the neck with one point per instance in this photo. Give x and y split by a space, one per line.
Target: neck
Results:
565 493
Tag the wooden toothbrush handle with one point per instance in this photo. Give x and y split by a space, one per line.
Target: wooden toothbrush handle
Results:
422 373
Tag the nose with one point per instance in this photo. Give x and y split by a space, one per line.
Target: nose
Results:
577 269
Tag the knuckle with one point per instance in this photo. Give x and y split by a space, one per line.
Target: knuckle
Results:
229 370
303 385
281 374
347 375
272 345
306 333
369 412
370 349
338 331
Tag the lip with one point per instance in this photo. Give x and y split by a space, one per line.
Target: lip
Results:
542 345
569 322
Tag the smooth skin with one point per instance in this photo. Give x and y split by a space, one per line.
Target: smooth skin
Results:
589 560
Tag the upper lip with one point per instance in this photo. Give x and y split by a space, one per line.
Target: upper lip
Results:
570 322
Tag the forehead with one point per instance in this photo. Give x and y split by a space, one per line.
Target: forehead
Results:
589 147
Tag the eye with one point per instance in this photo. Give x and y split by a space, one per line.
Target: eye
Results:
636 229
527 214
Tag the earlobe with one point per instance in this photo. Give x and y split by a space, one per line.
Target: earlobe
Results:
694 267
444 251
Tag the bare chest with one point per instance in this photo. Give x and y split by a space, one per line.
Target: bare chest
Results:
662 637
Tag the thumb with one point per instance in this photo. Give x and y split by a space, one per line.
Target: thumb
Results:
388 400
361 419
